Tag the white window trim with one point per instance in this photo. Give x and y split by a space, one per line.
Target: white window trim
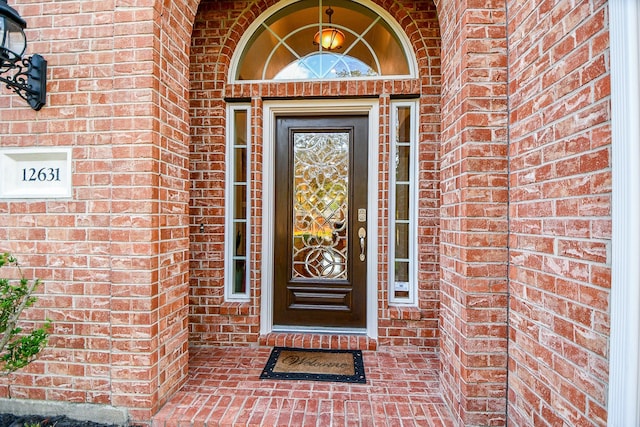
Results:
272 109
624 358
413 205
229 237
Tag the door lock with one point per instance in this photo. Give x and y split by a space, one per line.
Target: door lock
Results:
362 215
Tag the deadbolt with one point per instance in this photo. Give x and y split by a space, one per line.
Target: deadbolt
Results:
362 215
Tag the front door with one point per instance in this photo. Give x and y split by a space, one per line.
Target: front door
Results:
320 237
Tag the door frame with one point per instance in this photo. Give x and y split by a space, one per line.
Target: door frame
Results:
271 110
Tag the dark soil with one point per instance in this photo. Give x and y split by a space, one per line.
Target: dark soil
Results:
8 420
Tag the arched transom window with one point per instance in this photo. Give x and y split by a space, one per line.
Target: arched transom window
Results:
312 40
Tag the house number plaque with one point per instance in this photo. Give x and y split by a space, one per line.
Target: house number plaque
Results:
37 172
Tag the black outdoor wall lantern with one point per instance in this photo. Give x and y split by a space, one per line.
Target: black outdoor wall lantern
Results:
29 75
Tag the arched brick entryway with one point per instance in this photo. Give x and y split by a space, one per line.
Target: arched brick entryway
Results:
465 135
216 322
470 285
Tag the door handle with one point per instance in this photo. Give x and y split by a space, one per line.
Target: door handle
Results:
362 234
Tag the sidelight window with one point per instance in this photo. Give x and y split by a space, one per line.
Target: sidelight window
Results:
238 206
403 206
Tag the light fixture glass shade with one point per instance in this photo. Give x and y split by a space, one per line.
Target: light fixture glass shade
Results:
330 38
13 42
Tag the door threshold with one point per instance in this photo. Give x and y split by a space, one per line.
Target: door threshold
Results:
326 338
318 330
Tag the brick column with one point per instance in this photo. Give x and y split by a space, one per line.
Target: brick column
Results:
149 213
474 178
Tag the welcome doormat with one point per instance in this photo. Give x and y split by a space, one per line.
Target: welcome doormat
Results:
287 363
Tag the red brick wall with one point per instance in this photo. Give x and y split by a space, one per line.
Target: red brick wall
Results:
560 209
474 225
120 257
559 216
218 28
175 19
113 258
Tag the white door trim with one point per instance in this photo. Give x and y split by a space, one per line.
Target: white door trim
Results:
624 374
272 109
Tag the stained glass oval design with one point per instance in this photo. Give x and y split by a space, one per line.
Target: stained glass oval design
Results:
320 205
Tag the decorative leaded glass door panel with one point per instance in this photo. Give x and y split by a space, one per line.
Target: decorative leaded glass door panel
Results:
320 222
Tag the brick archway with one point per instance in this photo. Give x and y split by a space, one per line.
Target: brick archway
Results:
472 283
211 91
473 173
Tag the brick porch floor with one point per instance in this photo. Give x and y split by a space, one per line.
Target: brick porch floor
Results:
224 389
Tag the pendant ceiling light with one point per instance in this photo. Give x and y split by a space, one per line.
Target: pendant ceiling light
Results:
329 37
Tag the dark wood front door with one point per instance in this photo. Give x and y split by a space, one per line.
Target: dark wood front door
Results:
320 222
